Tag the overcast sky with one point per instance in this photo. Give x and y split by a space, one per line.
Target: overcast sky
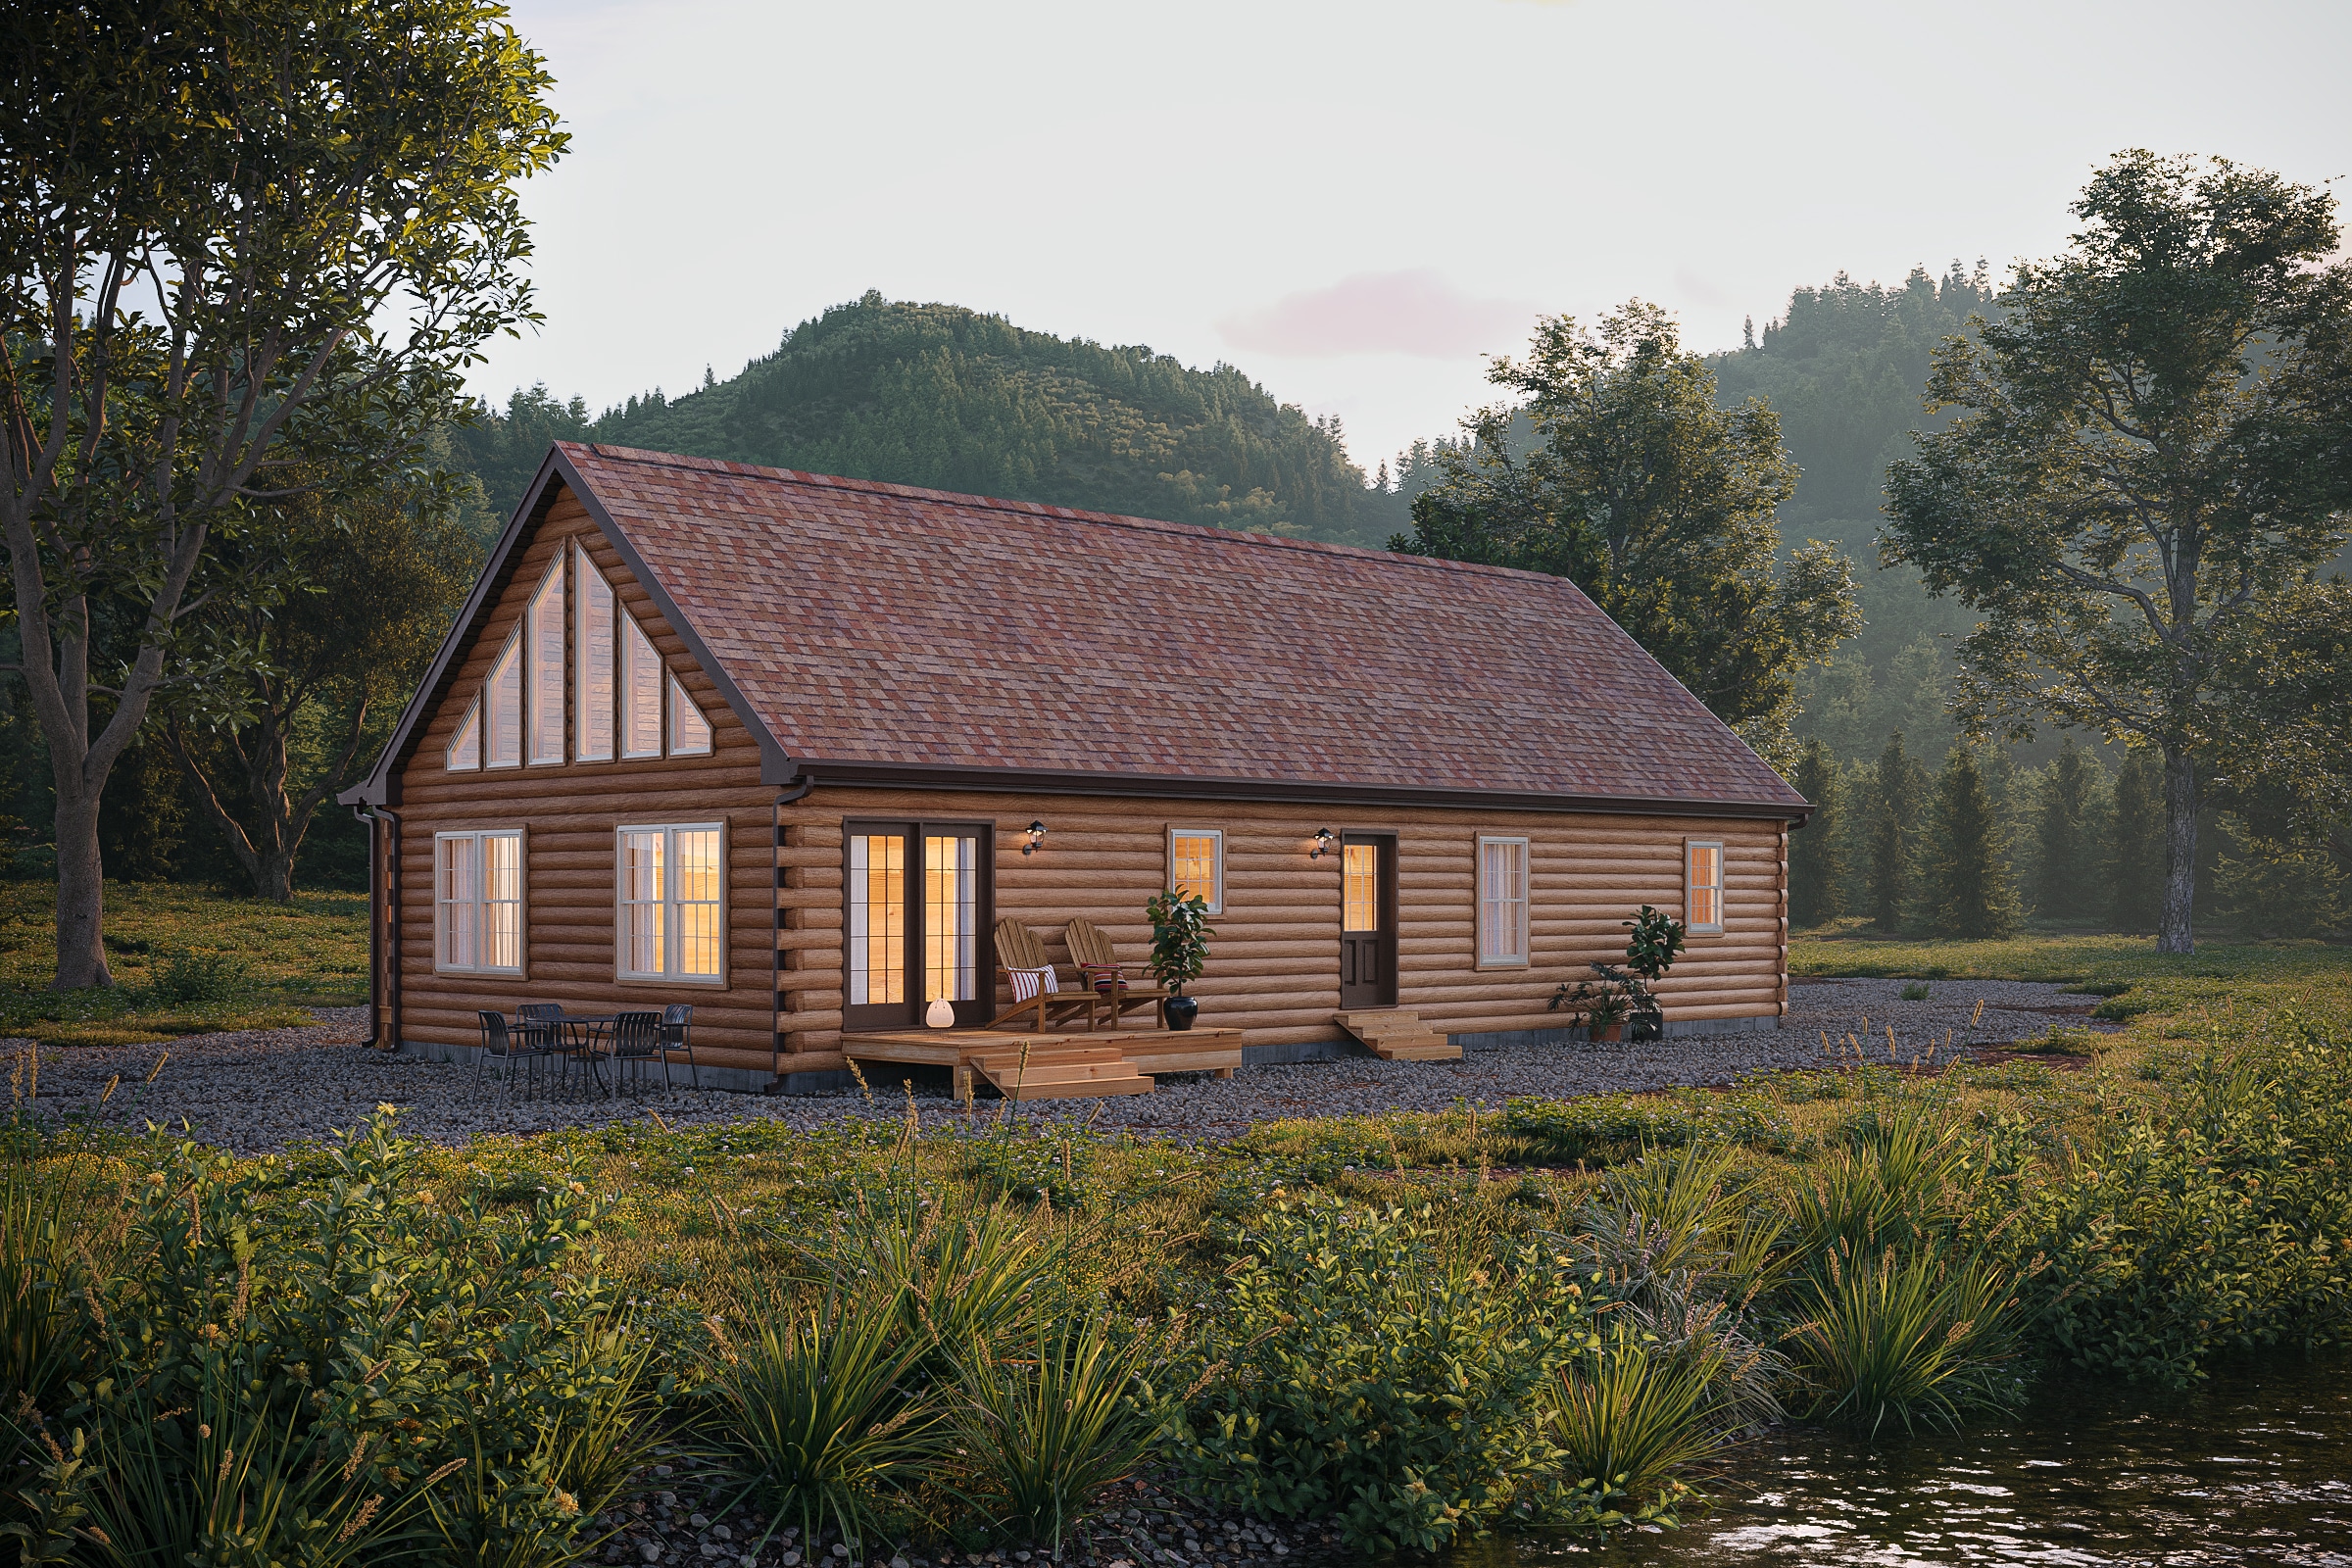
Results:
1353 202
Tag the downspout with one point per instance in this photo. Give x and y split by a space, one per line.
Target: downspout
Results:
383 980
775 914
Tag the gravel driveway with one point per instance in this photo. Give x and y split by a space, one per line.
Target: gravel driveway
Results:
259 1090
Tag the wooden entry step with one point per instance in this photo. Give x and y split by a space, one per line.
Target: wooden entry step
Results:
1396 1033
1050 1069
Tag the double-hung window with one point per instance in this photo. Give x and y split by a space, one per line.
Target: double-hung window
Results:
1501 903
477 903
916 905
1702 885
672 891
1197 865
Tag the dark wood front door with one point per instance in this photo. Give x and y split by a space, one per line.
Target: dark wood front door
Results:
1368 920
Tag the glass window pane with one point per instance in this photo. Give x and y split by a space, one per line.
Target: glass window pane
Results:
951 915
1706 885
699 873
642 894
877 937
506 706
465 750
1359 878
1193 864
459 891
502 901
641 694
688 731
594 640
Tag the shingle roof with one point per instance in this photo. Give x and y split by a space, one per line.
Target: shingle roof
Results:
868 623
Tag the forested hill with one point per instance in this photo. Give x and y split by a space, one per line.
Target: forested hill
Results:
946 397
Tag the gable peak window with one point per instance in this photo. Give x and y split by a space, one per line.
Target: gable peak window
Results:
504 721
466 747
689 730
593 639
640 692
543 636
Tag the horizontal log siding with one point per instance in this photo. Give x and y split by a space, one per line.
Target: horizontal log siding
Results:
568 814
1273 968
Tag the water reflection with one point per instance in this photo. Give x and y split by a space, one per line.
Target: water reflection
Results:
2254 1468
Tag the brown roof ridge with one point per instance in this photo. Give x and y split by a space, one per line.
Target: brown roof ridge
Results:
648 457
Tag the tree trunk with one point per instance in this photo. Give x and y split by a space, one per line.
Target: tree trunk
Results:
2174 921
81 885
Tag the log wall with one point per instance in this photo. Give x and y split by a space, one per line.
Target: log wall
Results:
1273 965
568 814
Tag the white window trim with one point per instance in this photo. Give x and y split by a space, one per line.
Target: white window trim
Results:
620 905
449 752
532 669
1527 901
1216 902
522 919
1712 928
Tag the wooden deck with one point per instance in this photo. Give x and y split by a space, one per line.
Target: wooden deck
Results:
1054 1064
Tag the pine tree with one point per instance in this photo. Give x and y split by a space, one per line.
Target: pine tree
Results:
1966 890
2066 848
2136 862
1894 798
1816 856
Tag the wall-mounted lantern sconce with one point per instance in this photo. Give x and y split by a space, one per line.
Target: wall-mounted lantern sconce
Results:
1037 836
1323 844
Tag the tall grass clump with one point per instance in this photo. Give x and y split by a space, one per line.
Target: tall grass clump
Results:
1052 1421
1905 1336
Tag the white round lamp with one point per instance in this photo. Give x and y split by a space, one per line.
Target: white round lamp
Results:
941 1015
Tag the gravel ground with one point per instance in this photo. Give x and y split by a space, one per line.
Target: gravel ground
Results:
259 1090
1142 1526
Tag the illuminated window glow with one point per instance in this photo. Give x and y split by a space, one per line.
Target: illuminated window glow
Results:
1359 883
674 902
477 901
1702 894
1197 865
877 915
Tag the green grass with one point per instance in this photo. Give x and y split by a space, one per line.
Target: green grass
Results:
2156 996
265 964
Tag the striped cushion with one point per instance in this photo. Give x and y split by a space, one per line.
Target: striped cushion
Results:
1027 982
1104 976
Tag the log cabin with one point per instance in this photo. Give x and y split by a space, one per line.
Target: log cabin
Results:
786 747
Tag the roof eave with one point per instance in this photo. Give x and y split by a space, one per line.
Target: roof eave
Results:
1044 781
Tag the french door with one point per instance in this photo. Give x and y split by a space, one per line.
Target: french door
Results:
918 900
1368 920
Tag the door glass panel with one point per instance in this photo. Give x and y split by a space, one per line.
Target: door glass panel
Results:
1359 873
951 915
877 941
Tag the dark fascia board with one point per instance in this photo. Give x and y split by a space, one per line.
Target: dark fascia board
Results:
379 788
1036 781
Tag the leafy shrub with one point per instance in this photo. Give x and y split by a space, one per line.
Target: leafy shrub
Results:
2122 1010
1915 991
1363 1368
359 1330
2216 1219
195 979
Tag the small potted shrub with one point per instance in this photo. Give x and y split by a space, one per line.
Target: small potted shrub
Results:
1179 951
1624 994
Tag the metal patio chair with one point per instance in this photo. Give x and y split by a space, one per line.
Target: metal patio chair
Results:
517 1048
636 1040
678 1033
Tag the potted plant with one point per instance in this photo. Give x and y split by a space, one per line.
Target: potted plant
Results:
1602 1007
1179 949
1656 942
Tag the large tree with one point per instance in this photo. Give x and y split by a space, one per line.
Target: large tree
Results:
2152 463
269 736
1656 503
240 241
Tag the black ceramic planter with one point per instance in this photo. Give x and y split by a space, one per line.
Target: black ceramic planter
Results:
1182 1011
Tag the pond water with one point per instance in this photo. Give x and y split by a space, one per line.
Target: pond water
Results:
2254 1467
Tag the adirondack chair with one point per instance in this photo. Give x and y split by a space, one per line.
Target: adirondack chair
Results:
1090 946
1017 948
